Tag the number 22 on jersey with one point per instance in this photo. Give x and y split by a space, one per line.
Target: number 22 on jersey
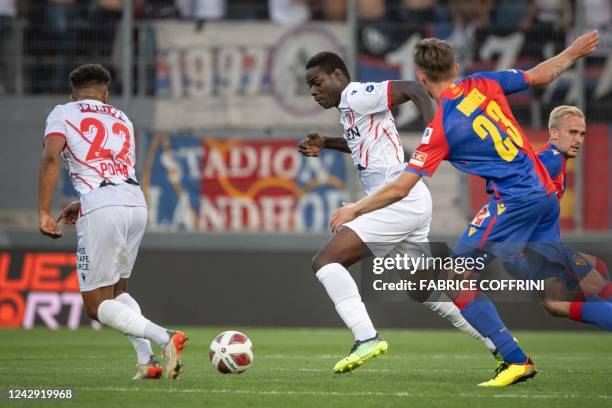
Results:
97 151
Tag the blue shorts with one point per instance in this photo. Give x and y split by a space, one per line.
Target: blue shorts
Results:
504 228
530 264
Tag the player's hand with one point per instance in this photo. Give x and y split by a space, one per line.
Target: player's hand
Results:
312 145
343 215
70 213
48 226
585 44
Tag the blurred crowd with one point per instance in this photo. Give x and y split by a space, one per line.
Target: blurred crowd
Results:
522 14
64 30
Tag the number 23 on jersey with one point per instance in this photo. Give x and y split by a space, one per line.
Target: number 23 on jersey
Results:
484 126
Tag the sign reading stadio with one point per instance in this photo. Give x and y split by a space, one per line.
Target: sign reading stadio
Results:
40 287
225 185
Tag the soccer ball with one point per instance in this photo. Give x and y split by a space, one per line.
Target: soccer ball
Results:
231 352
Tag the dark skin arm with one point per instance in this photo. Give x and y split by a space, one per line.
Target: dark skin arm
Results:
401 92
404 91
49 173
312 145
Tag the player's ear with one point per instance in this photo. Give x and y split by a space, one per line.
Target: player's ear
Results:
105 97
338 74
554 135
420 76
72 97
455 70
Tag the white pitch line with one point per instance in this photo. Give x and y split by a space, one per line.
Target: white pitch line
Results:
401 394
317 370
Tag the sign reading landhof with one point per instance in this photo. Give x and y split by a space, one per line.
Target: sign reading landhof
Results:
240 75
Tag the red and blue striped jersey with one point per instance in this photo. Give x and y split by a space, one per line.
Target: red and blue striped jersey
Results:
554 160
475 130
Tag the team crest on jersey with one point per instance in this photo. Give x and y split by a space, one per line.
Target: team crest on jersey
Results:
348 118
426 136
482 215
418 158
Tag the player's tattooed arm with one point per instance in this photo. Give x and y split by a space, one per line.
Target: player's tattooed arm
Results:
404 91
549 70
312 145
49 173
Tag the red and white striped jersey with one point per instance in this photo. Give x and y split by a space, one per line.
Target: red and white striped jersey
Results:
100 150
369 129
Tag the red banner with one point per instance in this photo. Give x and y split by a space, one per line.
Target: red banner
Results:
266 185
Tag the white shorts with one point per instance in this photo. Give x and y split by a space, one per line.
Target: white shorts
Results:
405 221
108 241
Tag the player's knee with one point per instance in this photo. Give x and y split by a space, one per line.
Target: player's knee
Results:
321 259
91 305
92 310
317 262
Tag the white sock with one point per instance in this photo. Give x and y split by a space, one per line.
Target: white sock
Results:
343 291
157 334
122 318
448 310
141 345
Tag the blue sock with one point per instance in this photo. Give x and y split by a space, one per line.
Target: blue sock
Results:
482 315
597 312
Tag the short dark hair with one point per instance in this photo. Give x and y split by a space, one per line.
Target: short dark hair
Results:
435 58
328 62
88 75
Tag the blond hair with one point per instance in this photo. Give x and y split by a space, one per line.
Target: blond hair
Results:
561 111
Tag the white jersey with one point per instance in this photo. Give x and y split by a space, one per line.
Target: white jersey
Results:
370 132
99 153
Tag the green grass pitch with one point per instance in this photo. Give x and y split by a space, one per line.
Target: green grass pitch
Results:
292 368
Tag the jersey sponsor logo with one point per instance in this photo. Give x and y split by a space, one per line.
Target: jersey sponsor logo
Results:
418 158
500 208
426 136
482 215
371 89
